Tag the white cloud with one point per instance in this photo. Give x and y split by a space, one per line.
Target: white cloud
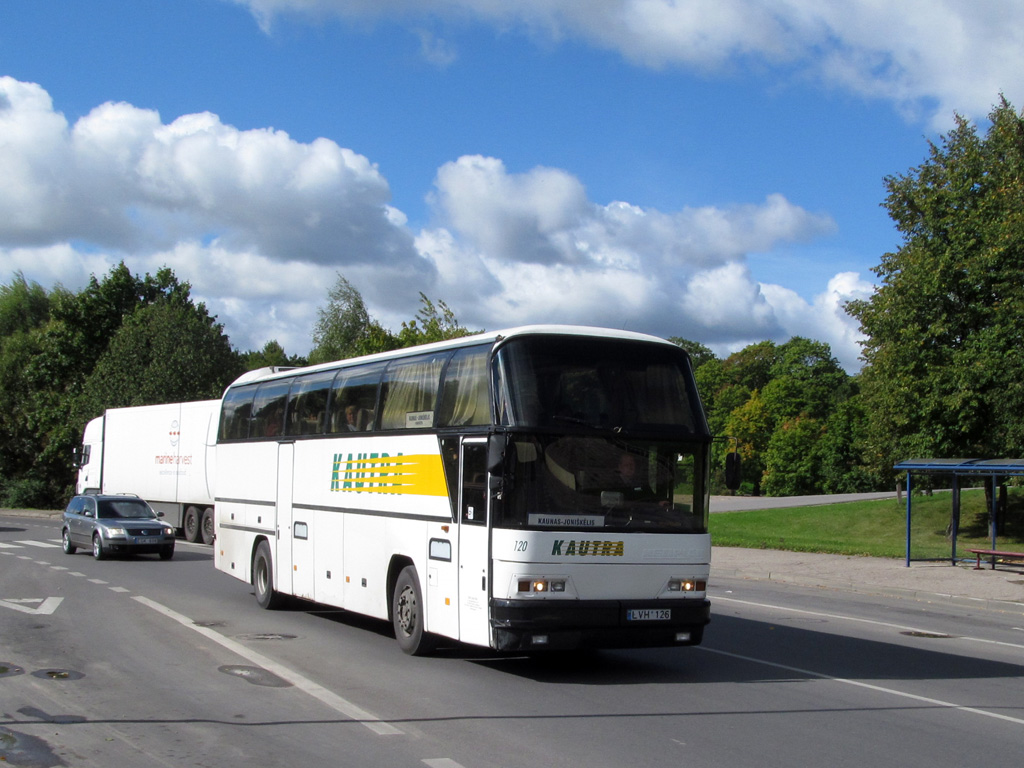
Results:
937 56
260 225
825 319
121 179
529 247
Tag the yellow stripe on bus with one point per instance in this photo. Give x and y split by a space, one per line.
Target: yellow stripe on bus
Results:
418 475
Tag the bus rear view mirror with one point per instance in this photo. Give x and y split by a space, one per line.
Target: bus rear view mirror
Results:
732 471
496 448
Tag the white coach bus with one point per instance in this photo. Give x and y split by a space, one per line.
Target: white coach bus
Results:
537 488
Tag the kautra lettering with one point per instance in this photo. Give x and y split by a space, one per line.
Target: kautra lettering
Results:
362 471
561 547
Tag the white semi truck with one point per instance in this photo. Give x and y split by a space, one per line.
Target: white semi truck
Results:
161 453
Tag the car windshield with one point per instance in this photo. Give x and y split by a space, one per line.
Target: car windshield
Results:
129 509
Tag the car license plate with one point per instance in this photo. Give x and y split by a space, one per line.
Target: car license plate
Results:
148 540
649 614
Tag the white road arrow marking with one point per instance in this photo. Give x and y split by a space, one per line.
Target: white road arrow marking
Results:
42 606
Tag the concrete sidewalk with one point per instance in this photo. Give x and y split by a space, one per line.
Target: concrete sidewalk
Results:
999 589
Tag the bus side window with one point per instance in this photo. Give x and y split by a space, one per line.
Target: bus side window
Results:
236 412
409 392
307 404
465 395
353 399
268 409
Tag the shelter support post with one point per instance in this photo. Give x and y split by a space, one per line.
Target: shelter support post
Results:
955 521
910 495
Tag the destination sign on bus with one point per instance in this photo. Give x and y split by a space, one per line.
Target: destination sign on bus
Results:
568 521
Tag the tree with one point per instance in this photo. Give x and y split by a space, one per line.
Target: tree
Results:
433 322
168 352
344 328
751 425
23 306
790 465
805 380
699 354
272 354
945 326
144 334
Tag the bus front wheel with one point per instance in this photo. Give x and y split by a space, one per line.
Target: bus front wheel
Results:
263 578
407 614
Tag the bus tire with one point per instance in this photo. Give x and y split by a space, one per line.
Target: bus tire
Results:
192 524
407 614
263 579
206 526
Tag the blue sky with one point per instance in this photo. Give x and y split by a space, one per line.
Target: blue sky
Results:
711 169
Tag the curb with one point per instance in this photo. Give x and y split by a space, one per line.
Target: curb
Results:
42 513
1002 606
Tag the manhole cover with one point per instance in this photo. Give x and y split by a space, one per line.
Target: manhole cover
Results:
929 635
254 675
58 674
10 670
267 636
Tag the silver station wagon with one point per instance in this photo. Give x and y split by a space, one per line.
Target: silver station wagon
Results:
115 524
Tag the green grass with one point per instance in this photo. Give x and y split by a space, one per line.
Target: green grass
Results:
877 528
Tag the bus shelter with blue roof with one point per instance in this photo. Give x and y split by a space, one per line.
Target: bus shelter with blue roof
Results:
992 469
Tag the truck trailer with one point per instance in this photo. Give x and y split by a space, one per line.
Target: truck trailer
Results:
164 454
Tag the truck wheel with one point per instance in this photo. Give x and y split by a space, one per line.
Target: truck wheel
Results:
207 526
65 538
263 579
97 547
192 524
407 615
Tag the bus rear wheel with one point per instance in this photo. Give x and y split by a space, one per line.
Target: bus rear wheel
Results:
407 615
263 578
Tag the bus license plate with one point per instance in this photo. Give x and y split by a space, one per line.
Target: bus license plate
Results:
649 614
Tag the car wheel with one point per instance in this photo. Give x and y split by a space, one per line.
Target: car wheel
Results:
65 538
407 615
263 578
207 526
167 552
192 524
97 547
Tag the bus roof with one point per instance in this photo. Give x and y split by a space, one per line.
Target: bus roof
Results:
265 374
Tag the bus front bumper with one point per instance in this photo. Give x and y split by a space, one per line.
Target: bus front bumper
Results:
537 625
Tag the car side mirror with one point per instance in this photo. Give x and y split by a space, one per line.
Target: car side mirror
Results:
733 471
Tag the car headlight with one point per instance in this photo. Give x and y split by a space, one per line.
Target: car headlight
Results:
113 532
168 531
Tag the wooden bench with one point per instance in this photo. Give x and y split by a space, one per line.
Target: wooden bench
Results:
994 553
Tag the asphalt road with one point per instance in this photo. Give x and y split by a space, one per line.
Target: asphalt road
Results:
141 663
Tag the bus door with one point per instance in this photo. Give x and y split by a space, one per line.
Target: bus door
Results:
474 543
294 551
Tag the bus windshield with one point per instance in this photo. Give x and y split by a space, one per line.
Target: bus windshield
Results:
601 384
603 433
603 483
